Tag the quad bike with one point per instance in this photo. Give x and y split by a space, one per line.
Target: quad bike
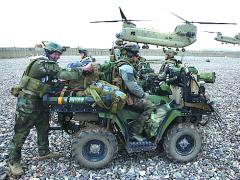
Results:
98 133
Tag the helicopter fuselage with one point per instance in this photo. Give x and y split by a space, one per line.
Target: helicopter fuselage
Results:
226 39
184 35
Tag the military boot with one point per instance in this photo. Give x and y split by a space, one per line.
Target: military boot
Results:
15 169
50 155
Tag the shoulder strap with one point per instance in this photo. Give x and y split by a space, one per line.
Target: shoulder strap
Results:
117 65
29 66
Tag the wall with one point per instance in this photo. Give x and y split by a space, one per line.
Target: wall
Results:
25 52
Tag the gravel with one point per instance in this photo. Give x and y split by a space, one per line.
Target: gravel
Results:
218 159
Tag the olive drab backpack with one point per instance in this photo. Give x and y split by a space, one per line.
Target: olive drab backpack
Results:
106 71
100 89
109 72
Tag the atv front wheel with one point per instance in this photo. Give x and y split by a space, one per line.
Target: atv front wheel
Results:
94 148
182 143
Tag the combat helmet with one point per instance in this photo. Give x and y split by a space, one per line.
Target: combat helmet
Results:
119 42
132 49
170 53
50 47
82 50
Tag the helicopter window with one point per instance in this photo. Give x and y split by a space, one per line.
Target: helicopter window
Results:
190 34
133 33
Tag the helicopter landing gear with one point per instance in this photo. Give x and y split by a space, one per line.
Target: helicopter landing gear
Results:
164 49
145 46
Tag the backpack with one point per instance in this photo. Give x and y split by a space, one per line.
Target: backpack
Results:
101 89
109 72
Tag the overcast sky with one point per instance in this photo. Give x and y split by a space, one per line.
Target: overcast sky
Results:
27 22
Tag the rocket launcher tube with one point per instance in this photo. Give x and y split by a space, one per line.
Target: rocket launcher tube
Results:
69 100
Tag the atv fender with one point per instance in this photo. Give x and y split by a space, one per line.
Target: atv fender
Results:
119 122
171 116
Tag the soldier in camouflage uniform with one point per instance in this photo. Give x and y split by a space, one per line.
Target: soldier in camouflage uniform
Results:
38 76
124 77
170 60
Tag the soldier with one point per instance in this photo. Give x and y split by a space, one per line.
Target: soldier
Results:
39 75
123 76
84 59
117 52
170 59
169 72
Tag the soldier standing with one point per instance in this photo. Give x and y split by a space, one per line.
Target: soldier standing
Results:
38 77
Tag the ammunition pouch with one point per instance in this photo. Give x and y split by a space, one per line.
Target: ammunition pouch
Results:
34 85
15 90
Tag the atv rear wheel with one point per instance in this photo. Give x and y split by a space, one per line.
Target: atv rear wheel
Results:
94 148
182 143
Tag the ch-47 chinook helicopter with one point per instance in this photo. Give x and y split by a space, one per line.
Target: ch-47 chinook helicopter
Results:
183 35
226 39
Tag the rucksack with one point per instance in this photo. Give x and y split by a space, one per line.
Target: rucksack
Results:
101 89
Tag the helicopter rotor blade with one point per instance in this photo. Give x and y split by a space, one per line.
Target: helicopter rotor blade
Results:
122 15
124 19
106 21
210 31
213 32
138 20
199 22
179 17
130 20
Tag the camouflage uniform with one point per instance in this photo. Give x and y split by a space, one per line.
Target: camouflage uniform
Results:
170 60
38 77
123 76
30 111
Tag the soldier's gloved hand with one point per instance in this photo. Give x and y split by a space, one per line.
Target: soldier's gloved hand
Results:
88 68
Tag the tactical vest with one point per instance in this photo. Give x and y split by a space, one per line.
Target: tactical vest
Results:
110 73
169 61
30 84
